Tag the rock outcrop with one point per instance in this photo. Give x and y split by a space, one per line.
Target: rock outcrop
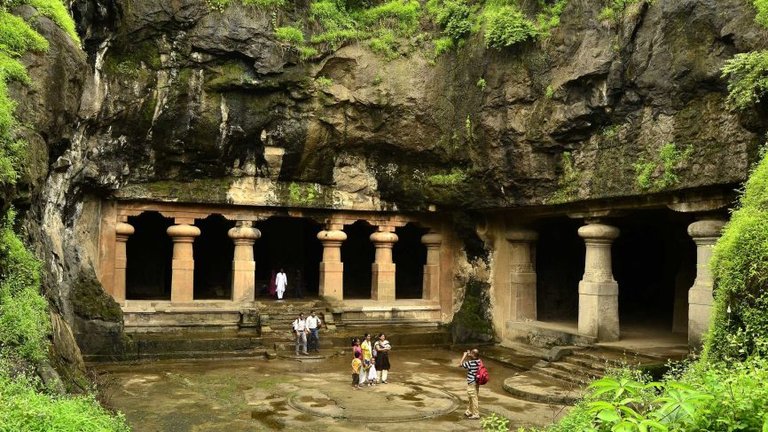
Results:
166 92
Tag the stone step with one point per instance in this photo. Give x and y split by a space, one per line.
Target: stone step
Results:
561 375
584 375
534 387
588 363
525 349
203 355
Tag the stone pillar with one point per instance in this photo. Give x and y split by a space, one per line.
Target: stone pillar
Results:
598 291
183 264
331 268
383 269
243 235
431 284
704 233
522 275
122 232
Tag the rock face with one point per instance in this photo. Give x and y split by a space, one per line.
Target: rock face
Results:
167 92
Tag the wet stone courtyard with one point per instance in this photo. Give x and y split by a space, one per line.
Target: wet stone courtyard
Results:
426 391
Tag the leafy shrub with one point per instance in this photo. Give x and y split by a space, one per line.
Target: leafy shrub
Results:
443 45
506 26
762 12
307 52
58 13
494 423
24 408
291 35
385 45
661 171
455 17
705 397
402 15
747 75
740 269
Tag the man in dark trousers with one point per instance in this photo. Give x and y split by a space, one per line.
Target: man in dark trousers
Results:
471 362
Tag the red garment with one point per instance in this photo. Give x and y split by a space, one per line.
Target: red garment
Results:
272 285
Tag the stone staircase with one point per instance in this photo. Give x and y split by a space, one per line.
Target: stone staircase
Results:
560 375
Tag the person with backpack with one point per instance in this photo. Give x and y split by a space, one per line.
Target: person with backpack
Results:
477 375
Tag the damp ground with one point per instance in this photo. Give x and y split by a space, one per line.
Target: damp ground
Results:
426 391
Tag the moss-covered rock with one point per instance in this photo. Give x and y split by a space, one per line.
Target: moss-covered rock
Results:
90 301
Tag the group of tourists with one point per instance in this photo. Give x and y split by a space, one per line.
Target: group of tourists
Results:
307 332
370 360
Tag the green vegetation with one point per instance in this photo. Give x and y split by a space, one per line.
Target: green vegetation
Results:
289 34
660 172
569 182
747 75
455 177
481 84
25 407
762 12
617 10
549 93
323 82
222 4
392 27
740 269
25 404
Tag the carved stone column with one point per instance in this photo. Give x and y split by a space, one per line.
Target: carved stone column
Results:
243 235
331 268
122 232
183 264
431 284
598 291
522 275
704 233
383 269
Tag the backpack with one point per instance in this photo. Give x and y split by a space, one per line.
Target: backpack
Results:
482 374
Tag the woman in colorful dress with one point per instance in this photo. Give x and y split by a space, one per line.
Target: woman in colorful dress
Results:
382 347
367 348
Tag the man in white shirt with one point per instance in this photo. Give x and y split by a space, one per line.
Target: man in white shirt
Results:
313 325
300 330
281 280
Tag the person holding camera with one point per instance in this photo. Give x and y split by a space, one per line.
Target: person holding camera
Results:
471 362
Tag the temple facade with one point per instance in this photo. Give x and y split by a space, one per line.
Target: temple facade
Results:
557 275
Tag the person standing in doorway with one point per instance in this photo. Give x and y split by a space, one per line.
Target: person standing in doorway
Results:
273 284
281 280
471 362
300 330
313 325
382 347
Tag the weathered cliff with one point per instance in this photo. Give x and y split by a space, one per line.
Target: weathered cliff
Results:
171 92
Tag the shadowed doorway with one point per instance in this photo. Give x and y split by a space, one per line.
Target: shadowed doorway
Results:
289 243
149 253
357 254
213 253
409 256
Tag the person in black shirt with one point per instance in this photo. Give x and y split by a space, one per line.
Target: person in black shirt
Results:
471 362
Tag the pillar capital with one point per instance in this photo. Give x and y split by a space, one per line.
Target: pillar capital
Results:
706 231
331 236
183 232
598 233
432 240
244 233
383 239
521 235
124 230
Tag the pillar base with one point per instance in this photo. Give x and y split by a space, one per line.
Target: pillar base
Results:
383 286
699 314
332 281
599 310
523 289
243 281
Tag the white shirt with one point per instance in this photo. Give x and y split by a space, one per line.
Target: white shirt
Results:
281 280
313 322
299 324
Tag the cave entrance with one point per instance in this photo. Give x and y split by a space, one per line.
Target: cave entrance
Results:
149 252
213 251
289 243
654 263
559 267
357 254
409 256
